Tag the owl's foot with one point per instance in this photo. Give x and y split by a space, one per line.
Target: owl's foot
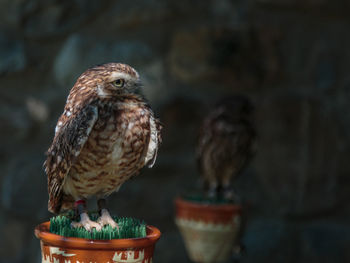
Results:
86 223
229 194
106 219
212 192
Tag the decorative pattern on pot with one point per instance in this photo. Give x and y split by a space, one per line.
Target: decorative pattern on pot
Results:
209 230
58 249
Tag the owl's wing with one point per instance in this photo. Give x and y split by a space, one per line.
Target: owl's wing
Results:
204 137
154 141
66 146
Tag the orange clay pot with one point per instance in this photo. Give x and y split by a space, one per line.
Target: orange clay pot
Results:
59 249
209 230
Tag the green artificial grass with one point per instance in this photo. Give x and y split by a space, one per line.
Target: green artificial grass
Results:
203 199
128 228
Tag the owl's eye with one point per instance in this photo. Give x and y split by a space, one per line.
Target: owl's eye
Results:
119 83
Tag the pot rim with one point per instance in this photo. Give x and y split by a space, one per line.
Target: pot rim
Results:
42 232
181 202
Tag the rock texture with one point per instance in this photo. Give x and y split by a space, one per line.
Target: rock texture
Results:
290 57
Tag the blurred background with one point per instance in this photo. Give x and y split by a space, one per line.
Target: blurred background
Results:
290 57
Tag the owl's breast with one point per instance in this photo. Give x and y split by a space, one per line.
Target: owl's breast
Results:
128 147
120 138
115 150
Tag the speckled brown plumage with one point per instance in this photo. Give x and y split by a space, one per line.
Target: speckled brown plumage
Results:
225 143
105 135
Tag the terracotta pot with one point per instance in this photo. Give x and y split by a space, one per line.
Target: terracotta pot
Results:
55 248
209 230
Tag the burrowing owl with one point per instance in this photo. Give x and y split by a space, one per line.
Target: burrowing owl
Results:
105 135
225 144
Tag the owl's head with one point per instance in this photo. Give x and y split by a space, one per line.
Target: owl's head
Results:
233 108
111 79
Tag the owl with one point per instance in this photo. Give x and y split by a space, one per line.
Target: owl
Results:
225 145
105 135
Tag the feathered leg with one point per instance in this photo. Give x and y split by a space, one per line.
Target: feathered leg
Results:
228 193
212 192
84 217
226 184
105 218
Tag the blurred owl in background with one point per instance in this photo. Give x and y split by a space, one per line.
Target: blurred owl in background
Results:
225 145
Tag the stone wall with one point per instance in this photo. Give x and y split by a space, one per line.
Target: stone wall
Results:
290 57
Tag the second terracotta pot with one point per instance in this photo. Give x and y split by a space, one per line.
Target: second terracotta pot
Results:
209 230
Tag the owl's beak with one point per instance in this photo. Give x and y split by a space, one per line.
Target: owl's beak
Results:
135 88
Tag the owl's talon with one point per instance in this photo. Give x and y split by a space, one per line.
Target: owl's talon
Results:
86 223
211 195
230 195
212 192
106 219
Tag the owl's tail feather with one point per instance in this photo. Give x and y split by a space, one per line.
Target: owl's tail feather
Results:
54 205
64 203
